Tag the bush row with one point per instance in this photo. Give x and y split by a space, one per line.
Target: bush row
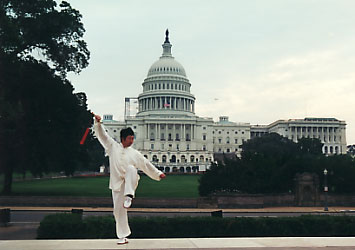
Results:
72 226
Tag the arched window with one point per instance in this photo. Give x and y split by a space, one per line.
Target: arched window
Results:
192 158
201 158
164 158
183 160
155 158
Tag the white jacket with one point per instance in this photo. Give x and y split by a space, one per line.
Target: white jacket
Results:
120 158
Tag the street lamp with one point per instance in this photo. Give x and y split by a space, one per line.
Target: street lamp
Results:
325 172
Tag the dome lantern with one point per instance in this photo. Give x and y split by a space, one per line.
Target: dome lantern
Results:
166 46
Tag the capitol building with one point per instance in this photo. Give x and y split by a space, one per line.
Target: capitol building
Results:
170 134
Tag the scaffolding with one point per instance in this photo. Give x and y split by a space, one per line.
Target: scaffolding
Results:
131 107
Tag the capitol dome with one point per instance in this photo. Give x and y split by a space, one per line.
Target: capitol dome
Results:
166 89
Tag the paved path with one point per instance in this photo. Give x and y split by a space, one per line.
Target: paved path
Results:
296 243
266 209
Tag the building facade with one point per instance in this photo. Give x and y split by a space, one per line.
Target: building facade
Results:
330 131
170 134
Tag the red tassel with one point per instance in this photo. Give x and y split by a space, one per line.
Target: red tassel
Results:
84 136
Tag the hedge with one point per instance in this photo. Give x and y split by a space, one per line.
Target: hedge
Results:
73 226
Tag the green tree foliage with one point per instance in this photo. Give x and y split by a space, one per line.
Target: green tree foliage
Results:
269 164
41 30
341 173
41 119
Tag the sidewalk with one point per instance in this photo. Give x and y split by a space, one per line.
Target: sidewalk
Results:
194 210
296 243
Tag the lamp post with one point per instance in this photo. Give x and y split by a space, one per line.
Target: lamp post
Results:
325 172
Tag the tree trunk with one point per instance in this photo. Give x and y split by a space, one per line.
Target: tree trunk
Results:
6 168
7 188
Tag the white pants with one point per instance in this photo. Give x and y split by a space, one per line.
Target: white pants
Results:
128 186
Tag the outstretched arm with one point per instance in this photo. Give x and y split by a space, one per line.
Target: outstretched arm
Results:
105 140
149 169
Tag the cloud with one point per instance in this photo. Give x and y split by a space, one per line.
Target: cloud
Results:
316 84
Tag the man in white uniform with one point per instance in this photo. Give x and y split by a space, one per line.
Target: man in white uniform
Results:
124 162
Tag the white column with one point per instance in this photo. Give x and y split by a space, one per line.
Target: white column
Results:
166 132
155 132
147 131
193 132
174 132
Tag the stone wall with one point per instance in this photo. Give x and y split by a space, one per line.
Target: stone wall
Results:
217 201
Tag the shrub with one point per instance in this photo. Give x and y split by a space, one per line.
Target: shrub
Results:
61 226
65 226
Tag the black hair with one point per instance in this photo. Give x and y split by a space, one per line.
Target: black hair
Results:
126 132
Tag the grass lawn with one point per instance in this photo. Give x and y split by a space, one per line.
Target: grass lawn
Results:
174 186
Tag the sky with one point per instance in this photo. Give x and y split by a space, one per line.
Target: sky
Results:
256 61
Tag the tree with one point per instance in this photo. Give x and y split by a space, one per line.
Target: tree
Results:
41 119
310 146
341 173
268 164
42 31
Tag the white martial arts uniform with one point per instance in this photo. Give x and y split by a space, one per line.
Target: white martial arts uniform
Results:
124 178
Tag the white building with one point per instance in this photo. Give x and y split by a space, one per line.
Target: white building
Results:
170 134
330 131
